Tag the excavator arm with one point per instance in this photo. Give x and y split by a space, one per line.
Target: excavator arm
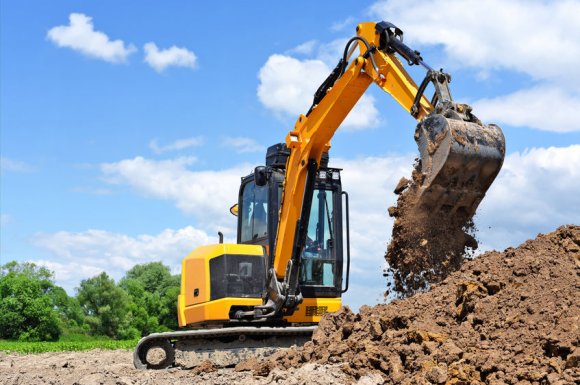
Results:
378 44
312 134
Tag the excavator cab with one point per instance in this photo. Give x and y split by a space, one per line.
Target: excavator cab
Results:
223 284
260 196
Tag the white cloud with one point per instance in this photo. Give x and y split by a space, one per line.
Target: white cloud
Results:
287 86
177 145
92 190
160 59
364 115
340 25
68 274
80 36
332 52
370 182
538 38
206 194
82 255
544 108
11 165
370 292
536 191
243 145
305 48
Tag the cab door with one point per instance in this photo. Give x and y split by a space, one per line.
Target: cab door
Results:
253 213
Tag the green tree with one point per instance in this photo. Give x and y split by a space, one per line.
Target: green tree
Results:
27 307
154 276
67 307
141 318
153 291
105 306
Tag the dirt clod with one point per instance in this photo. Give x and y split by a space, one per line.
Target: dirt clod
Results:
205 367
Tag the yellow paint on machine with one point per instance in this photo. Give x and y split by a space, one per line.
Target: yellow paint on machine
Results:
312 310
194 305
212 311
309 311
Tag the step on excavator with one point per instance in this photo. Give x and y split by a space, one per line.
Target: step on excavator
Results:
290 264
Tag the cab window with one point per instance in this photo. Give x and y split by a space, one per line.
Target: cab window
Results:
318 256
254 218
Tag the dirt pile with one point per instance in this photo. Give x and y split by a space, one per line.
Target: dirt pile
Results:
507 317
424 248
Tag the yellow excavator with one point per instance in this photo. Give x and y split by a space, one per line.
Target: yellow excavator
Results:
287 269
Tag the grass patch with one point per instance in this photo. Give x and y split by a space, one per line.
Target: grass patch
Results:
66 344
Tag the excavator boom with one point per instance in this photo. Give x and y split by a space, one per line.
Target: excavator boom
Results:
460 157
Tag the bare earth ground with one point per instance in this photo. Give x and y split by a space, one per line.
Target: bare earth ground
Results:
507 317
115 367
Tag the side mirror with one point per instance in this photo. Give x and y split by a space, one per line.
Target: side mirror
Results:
260 176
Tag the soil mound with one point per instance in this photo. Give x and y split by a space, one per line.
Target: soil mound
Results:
507 317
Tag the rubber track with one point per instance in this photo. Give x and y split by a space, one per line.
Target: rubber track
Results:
174 337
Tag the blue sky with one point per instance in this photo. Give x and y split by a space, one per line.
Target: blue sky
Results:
125 126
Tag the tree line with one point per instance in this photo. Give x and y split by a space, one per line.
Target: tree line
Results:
34 308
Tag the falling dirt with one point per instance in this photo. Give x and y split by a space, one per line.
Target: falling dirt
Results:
507 317
424 248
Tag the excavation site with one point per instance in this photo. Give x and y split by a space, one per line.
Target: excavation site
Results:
505 317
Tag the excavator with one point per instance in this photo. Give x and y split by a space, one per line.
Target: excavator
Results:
288 268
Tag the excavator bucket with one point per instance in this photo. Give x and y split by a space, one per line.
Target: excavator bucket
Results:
460 158
459 161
